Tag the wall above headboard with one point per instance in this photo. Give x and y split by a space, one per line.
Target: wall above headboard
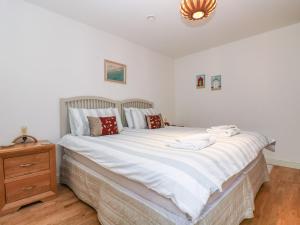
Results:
68 60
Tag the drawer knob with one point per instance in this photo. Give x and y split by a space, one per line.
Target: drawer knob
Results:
26 165
29 188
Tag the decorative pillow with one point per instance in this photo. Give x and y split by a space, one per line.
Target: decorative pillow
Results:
138 116
79 123
155 121
95 126
100 126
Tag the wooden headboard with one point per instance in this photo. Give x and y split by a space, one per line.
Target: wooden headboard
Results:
86 102
133 103
93 102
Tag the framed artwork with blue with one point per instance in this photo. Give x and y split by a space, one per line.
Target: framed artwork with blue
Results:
216 82
114 72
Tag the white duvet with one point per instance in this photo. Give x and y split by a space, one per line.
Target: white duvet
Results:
186 177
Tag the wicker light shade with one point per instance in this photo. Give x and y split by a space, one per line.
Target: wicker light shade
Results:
197 9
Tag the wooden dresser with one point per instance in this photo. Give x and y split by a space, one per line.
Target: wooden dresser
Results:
27 175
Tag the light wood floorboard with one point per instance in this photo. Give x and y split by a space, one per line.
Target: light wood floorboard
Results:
65 209
277 203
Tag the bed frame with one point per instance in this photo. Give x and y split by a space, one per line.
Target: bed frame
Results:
114 207
93 102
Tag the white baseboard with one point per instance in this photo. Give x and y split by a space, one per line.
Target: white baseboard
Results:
277 162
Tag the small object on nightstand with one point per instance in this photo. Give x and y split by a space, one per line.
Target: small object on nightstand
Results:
27 175
24 138
166 123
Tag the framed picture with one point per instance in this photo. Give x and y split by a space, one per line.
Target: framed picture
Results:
216 82
114 72
200 81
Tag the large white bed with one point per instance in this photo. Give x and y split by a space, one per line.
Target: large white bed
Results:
134 178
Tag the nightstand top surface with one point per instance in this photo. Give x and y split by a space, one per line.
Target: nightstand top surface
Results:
24 147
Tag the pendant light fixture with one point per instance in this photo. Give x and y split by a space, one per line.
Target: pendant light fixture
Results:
197 9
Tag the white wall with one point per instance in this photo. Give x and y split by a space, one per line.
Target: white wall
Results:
44 57
261 78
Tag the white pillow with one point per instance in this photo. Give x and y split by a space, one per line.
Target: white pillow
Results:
118 118
128 117
79 123
138 117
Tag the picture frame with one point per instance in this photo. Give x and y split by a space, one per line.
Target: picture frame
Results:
115 72
200 81
216 82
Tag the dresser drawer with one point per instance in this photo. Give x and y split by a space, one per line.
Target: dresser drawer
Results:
27 187
22 165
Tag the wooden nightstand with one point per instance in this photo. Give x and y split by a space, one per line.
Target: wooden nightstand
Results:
27 175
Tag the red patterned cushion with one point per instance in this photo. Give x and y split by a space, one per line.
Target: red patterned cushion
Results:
154 121
109 125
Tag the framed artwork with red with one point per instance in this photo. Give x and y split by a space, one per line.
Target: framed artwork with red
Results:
200 81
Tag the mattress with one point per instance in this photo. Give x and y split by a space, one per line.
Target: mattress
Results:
142 190
187 178
143 158
117 205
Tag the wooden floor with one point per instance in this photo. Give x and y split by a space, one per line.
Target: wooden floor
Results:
277 203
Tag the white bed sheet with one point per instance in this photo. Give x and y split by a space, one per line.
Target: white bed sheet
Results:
230 154
140 189
89 187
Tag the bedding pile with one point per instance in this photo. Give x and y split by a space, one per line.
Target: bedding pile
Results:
188 178
224 130
193 142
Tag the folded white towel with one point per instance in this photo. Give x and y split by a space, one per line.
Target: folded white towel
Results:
224 127
196 137
192 144
224 132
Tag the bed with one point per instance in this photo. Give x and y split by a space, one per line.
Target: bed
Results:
125 198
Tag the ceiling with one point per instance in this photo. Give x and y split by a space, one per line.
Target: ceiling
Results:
169 34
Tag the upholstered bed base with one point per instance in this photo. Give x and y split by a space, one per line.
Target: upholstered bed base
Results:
116 206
